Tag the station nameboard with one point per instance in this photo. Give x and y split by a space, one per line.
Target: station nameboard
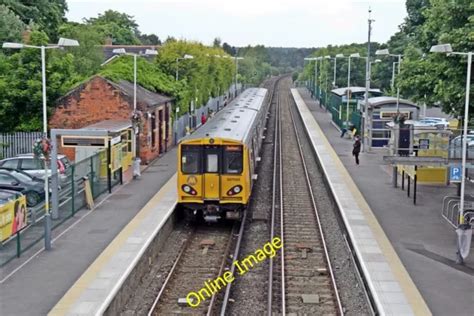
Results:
83 141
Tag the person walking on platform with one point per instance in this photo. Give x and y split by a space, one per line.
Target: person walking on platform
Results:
356 149
203 118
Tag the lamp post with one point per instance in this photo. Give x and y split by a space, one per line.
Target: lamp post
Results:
63 42
186 56
236 59
385 52
122 51
447 49
355 55
392 81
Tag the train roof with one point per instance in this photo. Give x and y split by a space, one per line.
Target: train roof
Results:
235 120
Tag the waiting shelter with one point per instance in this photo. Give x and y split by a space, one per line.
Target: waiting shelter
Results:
382 110
339 109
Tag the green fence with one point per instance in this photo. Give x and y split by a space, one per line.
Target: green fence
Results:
71 200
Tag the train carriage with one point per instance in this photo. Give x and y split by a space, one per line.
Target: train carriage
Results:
217 163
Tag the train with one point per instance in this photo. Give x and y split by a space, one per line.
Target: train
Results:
217 163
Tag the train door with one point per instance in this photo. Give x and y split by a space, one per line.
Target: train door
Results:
212 163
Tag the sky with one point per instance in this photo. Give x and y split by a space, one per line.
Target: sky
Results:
277 23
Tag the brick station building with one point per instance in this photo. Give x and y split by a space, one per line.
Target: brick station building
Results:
100 99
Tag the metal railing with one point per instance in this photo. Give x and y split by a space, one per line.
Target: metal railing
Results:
12 144
71 200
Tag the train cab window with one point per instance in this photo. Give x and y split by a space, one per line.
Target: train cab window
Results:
212 163
190 159
233 159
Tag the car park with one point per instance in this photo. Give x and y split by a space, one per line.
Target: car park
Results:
19 181
35 167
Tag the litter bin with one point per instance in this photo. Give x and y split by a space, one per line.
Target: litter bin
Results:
136 167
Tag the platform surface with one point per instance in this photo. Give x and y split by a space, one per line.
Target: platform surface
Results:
423 240
34 284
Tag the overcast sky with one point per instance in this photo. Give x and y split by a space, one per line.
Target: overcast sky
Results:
287 23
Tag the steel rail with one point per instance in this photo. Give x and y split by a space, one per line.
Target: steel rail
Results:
318 220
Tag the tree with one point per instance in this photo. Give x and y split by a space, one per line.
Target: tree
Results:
89 55
121 27
21 85
217 42
149 39
11 26
441 78
229 49
48 15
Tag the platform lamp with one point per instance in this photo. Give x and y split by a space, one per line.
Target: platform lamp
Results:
463 229
385 52
354 55
236 59
310 59
63 42
335 69
186 56
119 52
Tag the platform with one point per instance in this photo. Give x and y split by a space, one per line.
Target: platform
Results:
390 285
42 278
97 287
423 240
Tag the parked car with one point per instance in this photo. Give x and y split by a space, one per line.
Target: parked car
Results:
436 121
31 187
35 167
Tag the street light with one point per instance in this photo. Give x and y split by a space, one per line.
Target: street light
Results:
186 56
310 59
236 71
63 42
119 52
354 55
385 52
447 49
335 63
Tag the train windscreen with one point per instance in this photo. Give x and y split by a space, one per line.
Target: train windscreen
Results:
191 159
233 159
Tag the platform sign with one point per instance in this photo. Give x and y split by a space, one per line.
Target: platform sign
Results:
455 173
83 141
424 144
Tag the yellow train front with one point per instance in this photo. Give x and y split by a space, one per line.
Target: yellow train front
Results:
217 163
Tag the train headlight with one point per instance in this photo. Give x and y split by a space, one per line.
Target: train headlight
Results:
188 189
235 190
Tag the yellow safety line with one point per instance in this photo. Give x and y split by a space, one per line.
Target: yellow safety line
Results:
71 296
408 286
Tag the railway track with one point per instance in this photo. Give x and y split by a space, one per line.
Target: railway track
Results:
202 257
302 280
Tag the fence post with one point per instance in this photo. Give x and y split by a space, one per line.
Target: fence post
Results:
18 244
73 193
92 174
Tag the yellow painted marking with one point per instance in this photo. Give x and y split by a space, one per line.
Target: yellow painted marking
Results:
73 294
412 294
